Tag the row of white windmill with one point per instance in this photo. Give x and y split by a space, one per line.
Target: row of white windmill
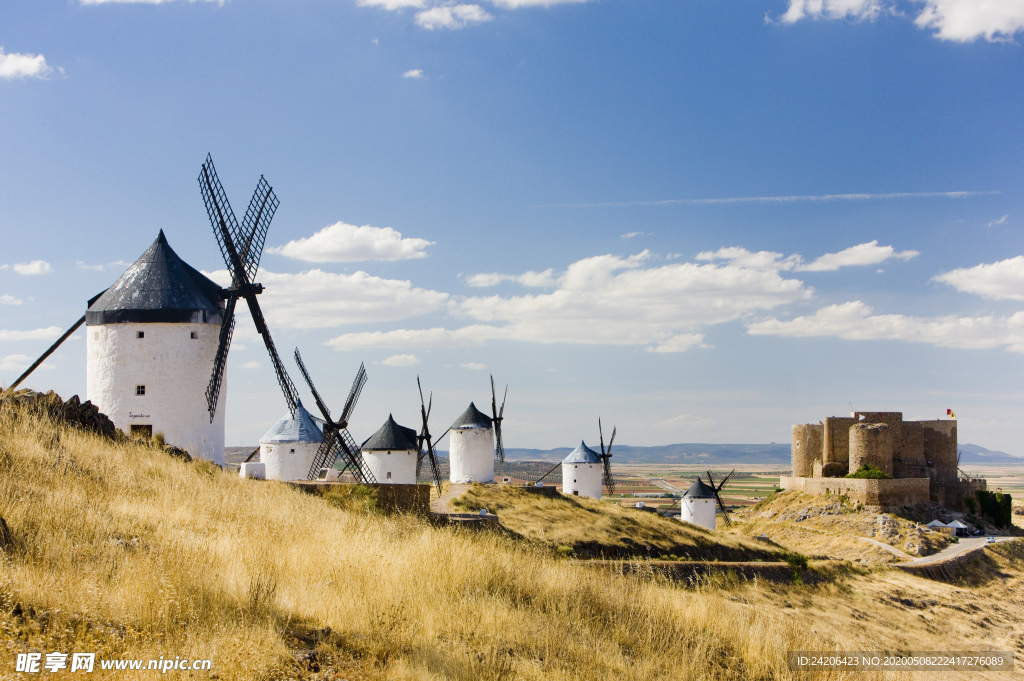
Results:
153 336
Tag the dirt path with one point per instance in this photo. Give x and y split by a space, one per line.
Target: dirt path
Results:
891 549
441 504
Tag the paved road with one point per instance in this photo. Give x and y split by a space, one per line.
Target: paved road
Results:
665 486
965 544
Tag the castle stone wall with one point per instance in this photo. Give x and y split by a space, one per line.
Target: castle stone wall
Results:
894 493
871 444
807 446
836 445
940 449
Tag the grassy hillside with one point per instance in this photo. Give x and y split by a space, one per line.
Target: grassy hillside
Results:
124 551
594 529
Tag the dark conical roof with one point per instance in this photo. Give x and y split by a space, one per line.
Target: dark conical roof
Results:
472 418
582 454
158 287
700 490
391 437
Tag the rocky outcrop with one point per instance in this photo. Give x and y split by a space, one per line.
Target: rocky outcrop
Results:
74 412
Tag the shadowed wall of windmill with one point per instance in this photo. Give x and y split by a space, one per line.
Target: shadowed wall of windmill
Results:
471 448
151 339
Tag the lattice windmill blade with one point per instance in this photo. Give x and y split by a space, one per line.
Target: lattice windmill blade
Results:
606 457
425 438
496 418
255 224
220 361
354 458
326 454
353 396
726 479
321 405
718 499
225 226
291 395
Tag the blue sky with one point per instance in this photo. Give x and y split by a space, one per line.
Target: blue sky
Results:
703 221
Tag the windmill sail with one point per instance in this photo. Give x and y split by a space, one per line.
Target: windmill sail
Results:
425 439
606 458
241 248
496 418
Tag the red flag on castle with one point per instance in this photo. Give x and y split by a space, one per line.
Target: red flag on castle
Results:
950 414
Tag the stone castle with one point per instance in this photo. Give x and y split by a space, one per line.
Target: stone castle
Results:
921 457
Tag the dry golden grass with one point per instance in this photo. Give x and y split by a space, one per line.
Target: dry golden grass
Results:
599 529
121 550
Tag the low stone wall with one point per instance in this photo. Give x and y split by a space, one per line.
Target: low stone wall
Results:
883 493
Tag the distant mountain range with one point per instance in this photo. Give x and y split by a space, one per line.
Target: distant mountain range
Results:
975 454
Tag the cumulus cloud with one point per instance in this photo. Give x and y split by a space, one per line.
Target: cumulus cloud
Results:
30 268
9 300
954 20
855 321
342 242
413 73
316 299
531 279
401 361
452 16
761 260
609 300
136 2
392 4
516 4
49 333
15 363
998 221
1003 280
16 65
863 254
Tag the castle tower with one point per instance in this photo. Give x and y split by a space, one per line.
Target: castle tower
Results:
698 505
582 472
471 455
391 454
289 447
151 339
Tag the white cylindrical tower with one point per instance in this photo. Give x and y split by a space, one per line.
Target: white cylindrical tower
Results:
289 447
582 472
471 452
698 505
391 454
151 340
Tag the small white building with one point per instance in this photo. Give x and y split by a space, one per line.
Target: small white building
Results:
391 454
151 340
698 505
582 472
471 452
289 447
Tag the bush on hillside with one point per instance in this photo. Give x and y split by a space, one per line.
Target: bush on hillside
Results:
869 472
996 507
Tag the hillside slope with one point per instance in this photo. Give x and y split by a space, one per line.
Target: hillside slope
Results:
126 552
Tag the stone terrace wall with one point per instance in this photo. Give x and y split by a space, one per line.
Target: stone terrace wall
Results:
883 493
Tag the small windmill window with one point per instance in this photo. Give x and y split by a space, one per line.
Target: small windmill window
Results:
140 334
389 472
140 390
194 335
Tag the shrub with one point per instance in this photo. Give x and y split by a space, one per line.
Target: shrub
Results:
995 506
869 472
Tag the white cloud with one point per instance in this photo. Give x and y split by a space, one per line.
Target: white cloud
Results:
9 300
316 299
954 20
998 221
391 4
83 266
413 73
136 2
516 4
49 333
452 16
967 20
1003 280
854 321
401 361
631 235
30 268
16 65
813 198
475 366
761 260
607 300
831 9
17 363
342 242
863 254
251 365
531 279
